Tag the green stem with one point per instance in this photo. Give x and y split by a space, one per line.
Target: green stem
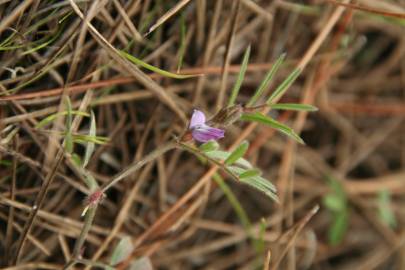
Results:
139 164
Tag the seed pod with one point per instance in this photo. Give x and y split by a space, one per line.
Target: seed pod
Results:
227 116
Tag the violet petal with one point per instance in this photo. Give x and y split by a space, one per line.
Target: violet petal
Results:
197 119
205 133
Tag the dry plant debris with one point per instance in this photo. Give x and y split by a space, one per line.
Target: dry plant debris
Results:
100 167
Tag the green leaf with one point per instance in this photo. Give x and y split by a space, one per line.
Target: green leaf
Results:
209 146
293 107
52 117
241 76
233 200
260 118
84 139
265 83
222 156
162 72
283 87
122 251
384 208
256 182
142 263
182 48
338 228
90 145
334 202
69 119
250 173
76 159
237 153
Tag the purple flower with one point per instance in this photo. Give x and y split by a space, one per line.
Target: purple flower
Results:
200 131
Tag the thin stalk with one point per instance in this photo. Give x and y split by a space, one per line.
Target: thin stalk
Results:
139 164
88 221
37 205
91 212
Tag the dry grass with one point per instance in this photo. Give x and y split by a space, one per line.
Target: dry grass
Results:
176 212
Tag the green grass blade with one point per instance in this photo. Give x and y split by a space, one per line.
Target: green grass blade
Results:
339 227
260 118
46 43
265 83
90 145
182 49
384 208
237 153
52 117
241 76
233 200
162 72
293 107
69 119
283 87
84 139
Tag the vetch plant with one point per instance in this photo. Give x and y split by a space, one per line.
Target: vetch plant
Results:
200 138
200 131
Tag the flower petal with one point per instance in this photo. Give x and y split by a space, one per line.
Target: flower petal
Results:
205 133
197 119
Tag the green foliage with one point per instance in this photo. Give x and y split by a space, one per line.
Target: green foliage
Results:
260 118
385 210
90 145
233 200
241 76
237 153
265 83
222 155
209 146
182 48
122 251
293 107
283 87
162 72
336 202
250 173
49 119
256 181
68 133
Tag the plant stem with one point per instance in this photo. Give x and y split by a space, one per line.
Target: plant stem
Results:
139 164
37 205
91 212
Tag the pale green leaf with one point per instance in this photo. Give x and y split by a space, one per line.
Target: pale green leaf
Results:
265 83
241 76
334 202
222 156
162 72
52 117
283 87
69 119
90 145
385 209
260 118
293 107
237 153
209 146
122 251
250 173
338 228
256 182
